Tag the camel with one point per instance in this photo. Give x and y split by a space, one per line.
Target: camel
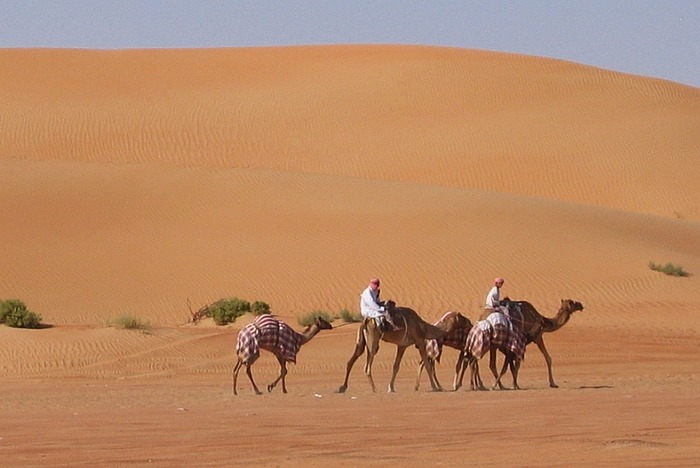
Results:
414 332
526 318
457 326
493 333
273 335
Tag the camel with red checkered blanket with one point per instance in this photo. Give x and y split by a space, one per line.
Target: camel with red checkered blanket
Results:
534 325
496 332
271 334
457 326
412 331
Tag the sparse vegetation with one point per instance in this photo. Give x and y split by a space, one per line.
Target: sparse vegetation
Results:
308 319
129 322
346 316
668 269
14 313
225 311
259 308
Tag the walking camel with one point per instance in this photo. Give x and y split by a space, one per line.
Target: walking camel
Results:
493 333
534 325
458 326
269 333
415 332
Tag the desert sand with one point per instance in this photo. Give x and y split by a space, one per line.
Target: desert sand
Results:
146 182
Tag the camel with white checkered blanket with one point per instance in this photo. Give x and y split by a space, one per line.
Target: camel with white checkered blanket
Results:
412 331
534 325
458 327
269 333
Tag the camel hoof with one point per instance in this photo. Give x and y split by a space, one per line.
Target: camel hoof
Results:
553 385
258 392
342 389
269 388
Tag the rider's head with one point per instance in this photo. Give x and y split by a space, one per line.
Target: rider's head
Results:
499 282
374 283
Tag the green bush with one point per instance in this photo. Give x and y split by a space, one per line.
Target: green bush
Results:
259 308
308 319
129 322
14 313
225 311
346 316
669 269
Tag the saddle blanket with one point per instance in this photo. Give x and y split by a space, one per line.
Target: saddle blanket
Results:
268 333
484 334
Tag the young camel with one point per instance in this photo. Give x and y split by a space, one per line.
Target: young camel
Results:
267 332
534 325
457 327
413 331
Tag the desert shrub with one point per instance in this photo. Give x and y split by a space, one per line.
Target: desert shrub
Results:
346 316
308 319
668 269
259 308
129 322
225 311
14 313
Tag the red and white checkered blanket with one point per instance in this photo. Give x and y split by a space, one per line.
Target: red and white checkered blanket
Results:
267 332
484 334
454 339
516 344
479 339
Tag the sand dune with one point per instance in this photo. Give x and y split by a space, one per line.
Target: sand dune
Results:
135 181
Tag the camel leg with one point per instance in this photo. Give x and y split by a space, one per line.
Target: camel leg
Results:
512 362
400 350
420 370
498 383
421 365
250 376
462 364
372 349
437 382
548 359
514 368
477 383
494 370
359 349
430 368
473 373
236 368
283 374
458 366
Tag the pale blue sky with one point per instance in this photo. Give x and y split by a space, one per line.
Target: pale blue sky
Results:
658 38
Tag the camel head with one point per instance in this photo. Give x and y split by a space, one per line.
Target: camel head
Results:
322 323
570 306
389 305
